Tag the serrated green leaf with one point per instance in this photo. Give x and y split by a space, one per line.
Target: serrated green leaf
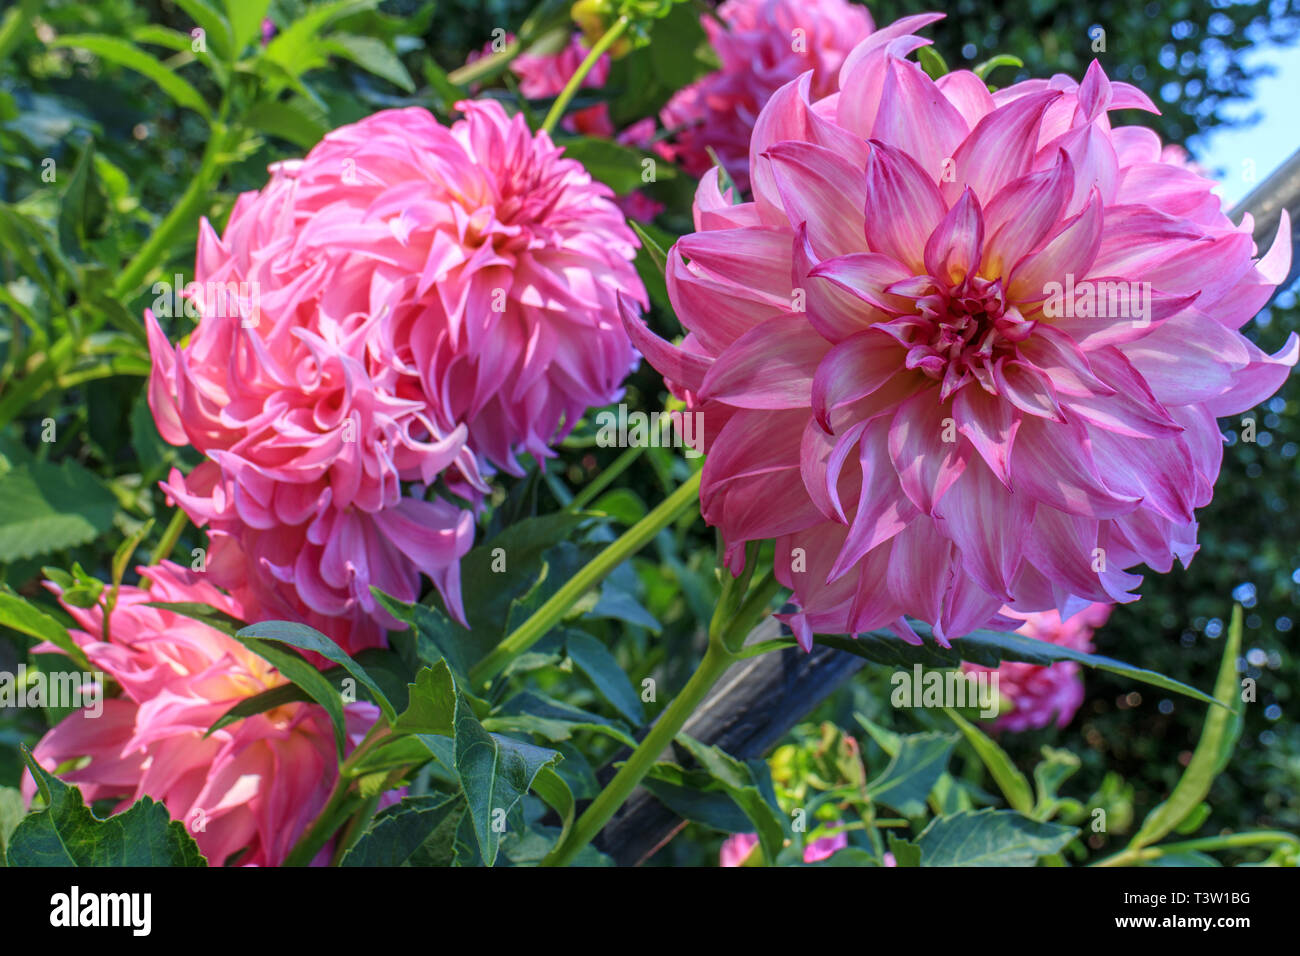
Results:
46 507
495 772
66 833
396 833
431 703
990 837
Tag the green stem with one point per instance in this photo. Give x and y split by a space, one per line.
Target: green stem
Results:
1253 838
717 659
182 215
561 103
603 480
725 641
486 67
548 615
171 534
341 804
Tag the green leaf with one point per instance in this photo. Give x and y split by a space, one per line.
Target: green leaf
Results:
203 613
11 814
495 772
1013 784
651 245
556 794
435 632
306 638
982 70
912 773
1218 738
46 507
66 833
216 28
990 648
431 707
81 207
259 704
618 167
529 712
1056 767
738 781
18 614
931 62
245 17
122 53
297 48
373 56
906 853
293 120
711 807
990 837
398 832
299 671
595 661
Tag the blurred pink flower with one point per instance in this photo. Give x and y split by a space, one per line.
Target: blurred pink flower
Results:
737 847
906 376
825 847
254 785
764 45
409 304
1040 695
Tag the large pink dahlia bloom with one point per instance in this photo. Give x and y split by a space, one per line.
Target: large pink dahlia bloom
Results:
763 45
253 786
414 304
1041 695
917 365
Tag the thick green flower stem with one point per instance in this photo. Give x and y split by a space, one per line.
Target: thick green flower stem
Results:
1136 855
550 613
171 534
561 103
717 659
341 804
723 651
182 215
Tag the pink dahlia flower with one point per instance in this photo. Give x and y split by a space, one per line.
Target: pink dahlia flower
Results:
963 349
409 304
764 45
253 786
1041 695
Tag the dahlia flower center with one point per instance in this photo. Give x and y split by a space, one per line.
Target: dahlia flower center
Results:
959 332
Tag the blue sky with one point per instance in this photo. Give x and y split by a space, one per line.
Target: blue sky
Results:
1231 152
